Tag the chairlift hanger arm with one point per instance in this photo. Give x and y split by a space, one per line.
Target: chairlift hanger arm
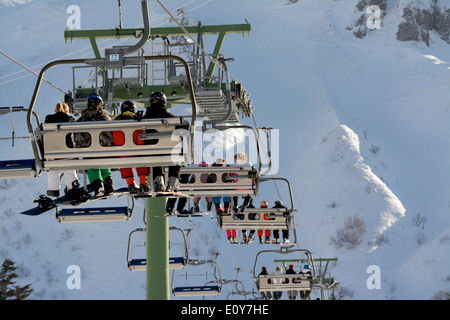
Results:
289 187
256 139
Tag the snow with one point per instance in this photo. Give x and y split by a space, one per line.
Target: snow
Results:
363 128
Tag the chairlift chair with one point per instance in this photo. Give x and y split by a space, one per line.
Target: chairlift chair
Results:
168 141
226 180
254 218
206 288
140 264
285 282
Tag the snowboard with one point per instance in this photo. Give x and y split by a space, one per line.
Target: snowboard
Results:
121 192
60 201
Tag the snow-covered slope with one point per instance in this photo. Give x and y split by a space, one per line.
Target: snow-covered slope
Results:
364 130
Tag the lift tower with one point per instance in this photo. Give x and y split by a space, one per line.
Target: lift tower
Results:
214 98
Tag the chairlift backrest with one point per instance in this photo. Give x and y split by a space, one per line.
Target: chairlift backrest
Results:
285 282
224 181
150 142
256 218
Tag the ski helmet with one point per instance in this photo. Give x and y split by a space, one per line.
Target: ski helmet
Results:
159 98
264 204
129 106
94 99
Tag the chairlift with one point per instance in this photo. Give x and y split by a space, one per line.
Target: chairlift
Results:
164 139
140 264
211 286
285 282
261 218
227 180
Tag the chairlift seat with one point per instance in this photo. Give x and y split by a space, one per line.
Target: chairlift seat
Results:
92 214
253 218
285 282
137 264
196 291
18 169
226 181
157 144
141 264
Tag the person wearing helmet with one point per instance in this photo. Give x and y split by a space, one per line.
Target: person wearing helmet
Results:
156 110
264 204
304 294
128 111
158 107
101 179
276 233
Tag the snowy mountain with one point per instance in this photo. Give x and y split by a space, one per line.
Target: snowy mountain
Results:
363 120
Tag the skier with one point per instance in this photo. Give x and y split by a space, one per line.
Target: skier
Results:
240 160
265 295
276 233
157 110
101 179
204 178
277 294
220 162
292 295
128 111
184 178
232 235
73 188
251 216
304 294
266 233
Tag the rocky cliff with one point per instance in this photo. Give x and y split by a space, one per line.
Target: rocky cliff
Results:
418 19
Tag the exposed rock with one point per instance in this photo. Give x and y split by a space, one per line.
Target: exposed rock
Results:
363 4
360 26
420 20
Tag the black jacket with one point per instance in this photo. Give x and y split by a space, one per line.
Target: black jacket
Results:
290 271
59 117
156 110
